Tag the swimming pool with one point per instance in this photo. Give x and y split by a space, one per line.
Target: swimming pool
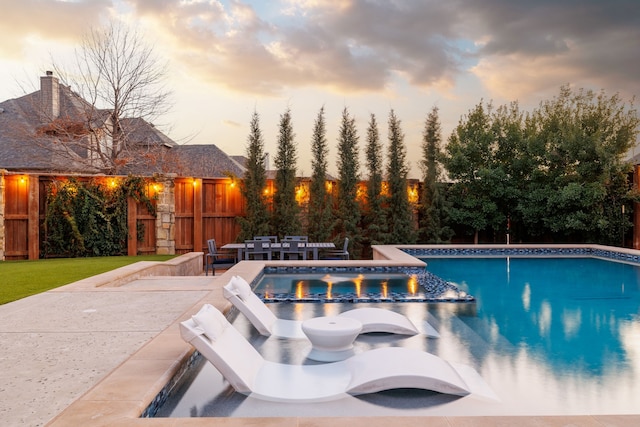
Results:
551 336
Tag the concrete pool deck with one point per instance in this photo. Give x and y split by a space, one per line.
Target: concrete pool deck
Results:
96 352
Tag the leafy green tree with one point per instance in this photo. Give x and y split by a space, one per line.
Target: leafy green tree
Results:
511 165
433 209
348 210
286 212
375 215
579 181
256 221
557 173
470 164
400 212
320 207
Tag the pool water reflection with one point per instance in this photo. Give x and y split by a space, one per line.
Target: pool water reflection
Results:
579 314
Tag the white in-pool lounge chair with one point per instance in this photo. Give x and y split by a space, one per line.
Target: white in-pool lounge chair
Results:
239 293
371 371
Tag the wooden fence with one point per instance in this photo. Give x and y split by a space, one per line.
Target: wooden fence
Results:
206 209
189 211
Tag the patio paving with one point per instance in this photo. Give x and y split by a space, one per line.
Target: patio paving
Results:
57 345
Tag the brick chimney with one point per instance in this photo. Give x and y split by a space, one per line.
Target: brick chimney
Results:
50 96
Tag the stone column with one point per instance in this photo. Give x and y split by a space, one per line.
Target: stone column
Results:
166 215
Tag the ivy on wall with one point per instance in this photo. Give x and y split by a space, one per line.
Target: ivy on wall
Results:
89 218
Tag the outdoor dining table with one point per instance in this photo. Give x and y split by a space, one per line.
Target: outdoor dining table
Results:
312 247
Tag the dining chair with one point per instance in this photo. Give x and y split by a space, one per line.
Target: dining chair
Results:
293 249
216 258
257 248
338 253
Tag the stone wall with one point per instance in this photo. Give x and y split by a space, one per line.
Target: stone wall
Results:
166 215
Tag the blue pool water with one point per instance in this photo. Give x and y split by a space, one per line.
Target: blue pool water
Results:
579 315
550 336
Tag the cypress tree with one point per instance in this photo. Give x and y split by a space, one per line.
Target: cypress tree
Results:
348 215
286 212
400 215
320 212
375 218
433 217
256 221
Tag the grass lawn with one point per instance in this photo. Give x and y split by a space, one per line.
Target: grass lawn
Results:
19 279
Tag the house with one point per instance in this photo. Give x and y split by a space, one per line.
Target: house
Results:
53 133
54 130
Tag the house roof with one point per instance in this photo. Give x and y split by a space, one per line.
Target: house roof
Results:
21 147
26 147
206 161
242 160
142 132
634 160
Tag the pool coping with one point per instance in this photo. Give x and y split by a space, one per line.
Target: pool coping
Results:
122 395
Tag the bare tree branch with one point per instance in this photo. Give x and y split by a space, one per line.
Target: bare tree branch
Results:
121 81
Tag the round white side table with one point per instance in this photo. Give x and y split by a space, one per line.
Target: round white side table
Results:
331 337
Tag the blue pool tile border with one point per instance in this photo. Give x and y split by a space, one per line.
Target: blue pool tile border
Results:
499 252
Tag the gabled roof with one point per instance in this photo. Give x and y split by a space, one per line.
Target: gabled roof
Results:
242 160
142 132
21 147
206 161
26 143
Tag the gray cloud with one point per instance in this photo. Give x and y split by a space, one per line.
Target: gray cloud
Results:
351 46
358 46
587 42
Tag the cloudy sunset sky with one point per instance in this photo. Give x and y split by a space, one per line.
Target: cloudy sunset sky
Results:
229 58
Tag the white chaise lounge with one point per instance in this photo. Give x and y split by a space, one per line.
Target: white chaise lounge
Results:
368 372
239 293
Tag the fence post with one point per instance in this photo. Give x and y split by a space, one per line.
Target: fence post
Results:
33 227
166 215
2 205
197 215
132 225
